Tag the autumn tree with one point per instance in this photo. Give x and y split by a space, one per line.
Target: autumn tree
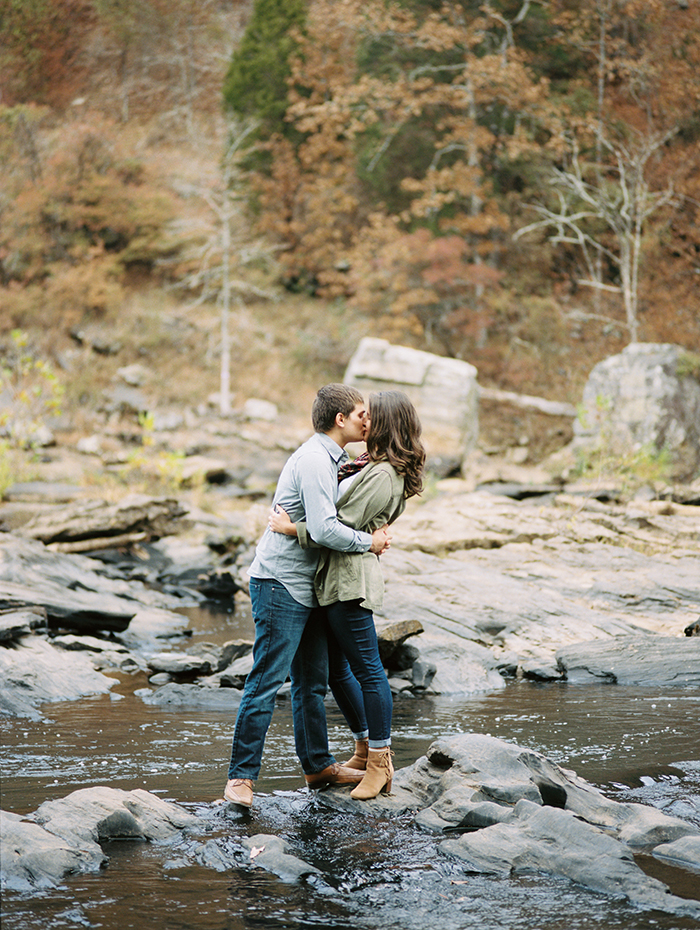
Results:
40 50
459 86
626 165
160 54
78 223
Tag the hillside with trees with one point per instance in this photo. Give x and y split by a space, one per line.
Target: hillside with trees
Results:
511 182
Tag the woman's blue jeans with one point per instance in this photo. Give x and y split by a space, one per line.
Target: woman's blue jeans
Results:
357 679
280 622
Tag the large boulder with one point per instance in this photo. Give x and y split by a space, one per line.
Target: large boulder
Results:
645 398
444 391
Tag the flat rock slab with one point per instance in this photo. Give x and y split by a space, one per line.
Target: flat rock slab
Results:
634 660
35 671
74 591
513 811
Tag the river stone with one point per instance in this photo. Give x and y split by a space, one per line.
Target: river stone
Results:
232 650
180 663
461 666
103 813
535 816
546 839
174 696
392 636
684 852
235 674
647 397
443 390
34 671
17 622
33 858
633 660
422 674
272 853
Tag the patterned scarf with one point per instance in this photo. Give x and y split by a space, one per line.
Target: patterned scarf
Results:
351 468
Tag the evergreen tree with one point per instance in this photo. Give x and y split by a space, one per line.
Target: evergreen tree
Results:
256 82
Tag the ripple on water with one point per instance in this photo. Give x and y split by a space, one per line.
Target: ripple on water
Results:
638 745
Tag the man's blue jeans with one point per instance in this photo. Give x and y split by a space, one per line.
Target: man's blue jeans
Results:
280 621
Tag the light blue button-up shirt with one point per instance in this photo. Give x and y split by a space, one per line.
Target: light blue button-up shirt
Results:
308 490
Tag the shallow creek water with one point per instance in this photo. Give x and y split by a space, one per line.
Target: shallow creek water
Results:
637 744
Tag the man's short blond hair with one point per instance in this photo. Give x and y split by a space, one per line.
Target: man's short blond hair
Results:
331 400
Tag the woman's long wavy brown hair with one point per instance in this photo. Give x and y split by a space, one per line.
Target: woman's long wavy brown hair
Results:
394 437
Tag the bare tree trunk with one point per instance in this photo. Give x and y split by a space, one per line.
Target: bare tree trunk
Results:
225 389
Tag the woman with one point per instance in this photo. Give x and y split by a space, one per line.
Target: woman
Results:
350 585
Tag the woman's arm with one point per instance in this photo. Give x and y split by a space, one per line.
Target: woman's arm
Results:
279 522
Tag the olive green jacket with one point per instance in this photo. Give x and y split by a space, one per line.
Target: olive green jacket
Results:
374 498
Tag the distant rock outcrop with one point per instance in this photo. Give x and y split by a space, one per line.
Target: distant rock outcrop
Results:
443 390
647 397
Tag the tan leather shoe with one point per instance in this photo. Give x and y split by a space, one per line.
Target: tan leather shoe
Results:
239 791
334 774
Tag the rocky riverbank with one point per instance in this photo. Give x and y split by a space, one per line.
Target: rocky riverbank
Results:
484 583
492 806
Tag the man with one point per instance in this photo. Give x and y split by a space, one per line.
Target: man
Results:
282 597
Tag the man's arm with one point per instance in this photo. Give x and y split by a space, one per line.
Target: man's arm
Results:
318 488
279 522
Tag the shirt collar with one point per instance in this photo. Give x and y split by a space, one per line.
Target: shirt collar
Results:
336 453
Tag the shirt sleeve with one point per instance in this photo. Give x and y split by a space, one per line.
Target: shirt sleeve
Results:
318 488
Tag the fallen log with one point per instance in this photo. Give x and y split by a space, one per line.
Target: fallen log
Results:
149 518
552 407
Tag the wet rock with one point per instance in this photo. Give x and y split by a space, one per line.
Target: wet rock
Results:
34 859
546 839
235 674
422 674
173 696
62 837
234 649
633 660
15 623
539 671
102 813
34 671
684 852
520 812
272 854
180 663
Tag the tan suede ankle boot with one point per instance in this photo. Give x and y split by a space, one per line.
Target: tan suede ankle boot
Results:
378 776
359 759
